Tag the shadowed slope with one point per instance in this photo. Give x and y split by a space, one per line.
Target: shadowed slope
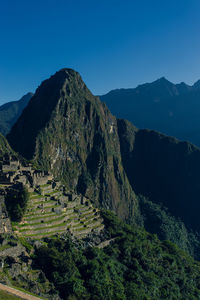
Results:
163 169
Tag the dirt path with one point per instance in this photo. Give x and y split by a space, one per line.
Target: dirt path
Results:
17 293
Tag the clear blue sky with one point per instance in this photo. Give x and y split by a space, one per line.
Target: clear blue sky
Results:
111 43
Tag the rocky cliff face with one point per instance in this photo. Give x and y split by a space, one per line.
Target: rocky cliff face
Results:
68 131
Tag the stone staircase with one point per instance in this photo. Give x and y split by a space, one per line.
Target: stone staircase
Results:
51 211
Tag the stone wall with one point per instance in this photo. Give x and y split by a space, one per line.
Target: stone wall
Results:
5 225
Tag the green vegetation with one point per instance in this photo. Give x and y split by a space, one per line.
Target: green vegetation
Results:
16 203
136 266
27 292
25 243
163 169
157 219
39 223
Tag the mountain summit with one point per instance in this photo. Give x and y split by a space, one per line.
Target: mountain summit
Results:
69 132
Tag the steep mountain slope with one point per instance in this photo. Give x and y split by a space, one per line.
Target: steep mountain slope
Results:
163 169
68 131
173 109
10 112
4 146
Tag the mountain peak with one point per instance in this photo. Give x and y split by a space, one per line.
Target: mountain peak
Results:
163 80
65 80
67 72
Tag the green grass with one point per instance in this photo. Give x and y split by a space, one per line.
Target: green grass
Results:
26 217
4 247
7 296
81 229
97 226
45 234
35 196
88 212
82 208
38 223
78 225
27 292
53 193
45 201
38 203
45 215
45 185
87 218
44 227
25 243
91 222
37 209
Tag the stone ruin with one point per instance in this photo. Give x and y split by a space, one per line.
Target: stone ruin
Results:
5 225
51 206
13 171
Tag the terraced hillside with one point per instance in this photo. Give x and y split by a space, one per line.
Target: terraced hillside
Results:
51 211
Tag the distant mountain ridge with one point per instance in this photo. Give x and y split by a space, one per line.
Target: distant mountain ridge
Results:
173 109
10 112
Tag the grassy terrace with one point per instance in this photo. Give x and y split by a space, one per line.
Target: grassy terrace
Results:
42 221
53 193
43 216
41 235
4 247
39 223
27 216
35 204
45 228
35 196
44 185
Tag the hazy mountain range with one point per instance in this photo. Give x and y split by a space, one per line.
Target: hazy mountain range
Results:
173 109
10 112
